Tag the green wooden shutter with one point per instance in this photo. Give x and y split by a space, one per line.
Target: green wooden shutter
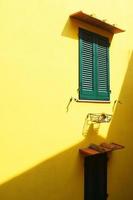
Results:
94 66
87 73
102 65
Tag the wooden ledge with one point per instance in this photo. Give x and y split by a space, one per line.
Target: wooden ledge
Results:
96 22
94 149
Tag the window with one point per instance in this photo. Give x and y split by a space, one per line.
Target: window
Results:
93 66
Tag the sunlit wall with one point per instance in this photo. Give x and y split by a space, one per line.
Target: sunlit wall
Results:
40 132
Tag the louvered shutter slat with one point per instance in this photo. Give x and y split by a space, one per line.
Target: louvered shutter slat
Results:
86 66
103 69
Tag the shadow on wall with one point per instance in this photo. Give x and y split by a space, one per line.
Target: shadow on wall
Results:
121 131
70 29
59 178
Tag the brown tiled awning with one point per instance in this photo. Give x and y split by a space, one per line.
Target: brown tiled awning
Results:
94 149
96 22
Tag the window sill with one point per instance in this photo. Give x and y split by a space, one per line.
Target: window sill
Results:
91 101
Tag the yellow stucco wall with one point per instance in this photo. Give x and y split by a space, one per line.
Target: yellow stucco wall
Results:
39 140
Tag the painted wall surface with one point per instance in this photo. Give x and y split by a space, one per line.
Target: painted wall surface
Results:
39 139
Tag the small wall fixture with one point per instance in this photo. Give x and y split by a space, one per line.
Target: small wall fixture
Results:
99 117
